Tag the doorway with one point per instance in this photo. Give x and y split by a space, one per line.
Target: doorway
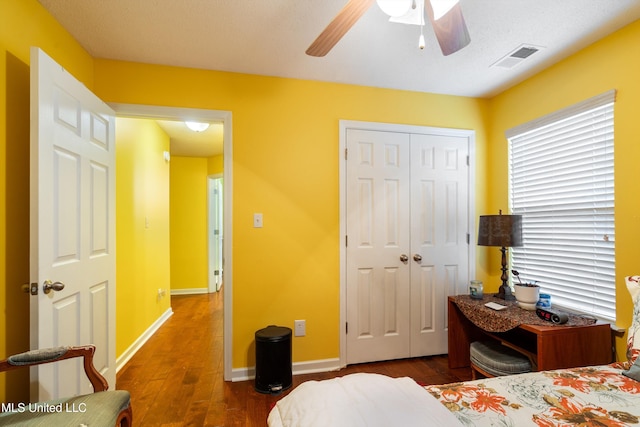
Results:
225 118
406 222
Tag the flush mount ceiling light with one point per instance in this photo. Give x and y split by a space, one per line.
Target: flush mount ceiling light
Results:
197 126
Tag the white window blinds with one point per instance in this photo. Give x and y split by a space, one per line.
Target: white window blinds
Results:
561 182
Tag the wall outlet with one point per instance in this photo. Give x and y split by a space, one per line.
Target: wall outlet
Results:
300 328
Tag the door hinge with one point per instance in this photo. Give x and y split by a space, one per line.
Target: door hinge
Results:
468 238
346 153
346 241
467 160
346 328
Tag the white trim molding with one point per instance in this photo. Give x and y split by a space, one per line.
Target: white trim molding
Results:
189 291
588 104
142 339
470 134
225 117
297 368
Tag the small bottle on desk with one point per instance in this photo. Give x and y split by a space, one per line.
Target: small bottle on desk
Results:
476 290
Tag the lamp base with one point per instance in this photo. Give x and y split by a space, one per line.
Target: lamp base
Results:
504 292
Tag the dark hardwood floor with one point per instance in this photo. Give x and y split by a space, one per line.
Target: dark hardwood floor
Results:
176 379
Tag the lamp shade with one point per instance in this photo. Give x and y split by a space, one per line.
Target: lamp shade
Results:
500 230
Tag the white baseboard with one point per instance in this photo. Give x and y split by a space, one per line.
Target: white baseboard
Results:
189 291
138 343
311 367
298 368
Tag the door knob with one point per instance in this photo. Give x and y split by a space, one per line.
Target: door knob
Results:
52 286
404 258
417 257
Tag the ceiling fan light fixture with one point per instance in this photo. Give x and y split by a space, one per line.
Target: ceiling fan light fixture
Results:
197 126
441 7
395 8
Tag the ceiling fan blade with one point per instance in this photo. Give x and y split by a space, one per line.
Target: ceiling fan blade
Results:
344 20
451 30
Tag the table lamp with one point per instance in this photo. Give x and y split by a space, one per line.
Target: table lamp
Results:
503 231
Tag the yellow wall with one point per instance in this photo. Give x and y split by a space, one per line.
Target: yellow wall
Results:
189 262
215 165
22 24
612 63
142 228
285 165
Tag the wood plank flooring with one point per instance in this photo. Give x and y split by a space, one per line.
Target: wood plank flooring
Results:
176 379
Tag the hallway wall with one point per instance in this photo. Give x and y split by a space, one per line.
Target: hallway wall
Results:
189 243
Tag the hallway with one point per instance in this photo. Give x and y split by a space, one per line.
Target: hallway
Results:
176 378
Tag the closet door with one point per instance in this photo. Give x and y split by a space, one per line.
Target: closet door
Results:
439 222
406 226
378 242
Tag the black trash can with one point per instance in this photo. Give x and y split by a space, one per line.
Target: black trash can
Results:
273 359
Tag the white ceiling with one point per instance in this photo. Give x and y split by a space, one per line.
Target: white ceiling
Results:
187 143
269 37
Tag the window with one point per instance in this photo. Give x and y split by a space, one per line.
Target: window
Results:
561 182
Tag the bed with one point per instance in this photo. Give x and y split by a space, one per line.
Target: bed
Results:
605 395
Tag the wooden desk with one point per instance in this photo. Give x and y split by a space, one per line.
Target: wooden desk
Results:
549 347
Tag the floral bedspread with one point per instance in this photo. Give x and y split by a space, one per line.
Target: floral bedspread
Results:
590 396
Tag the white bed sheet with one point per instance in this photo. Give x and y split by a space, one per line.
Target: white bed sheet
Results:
355 400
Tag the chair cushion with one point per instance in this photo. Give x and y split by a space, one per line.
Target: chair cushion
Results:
497 359
96 409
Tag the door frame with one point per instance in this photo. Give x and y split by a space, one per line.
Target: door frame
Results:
225 117
400 128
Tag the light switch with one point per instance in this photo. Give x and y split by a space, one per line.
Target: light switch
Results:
257 220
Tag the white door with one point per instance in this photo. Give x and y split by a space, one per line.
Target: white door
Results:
215 231
439 226
378 287
407 247
72 227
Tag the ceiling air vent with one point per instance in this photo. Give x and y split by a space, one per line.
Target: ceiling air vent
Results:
517 56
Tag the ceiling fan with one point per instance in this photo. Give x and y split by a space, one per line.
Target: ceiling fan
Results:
445 16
